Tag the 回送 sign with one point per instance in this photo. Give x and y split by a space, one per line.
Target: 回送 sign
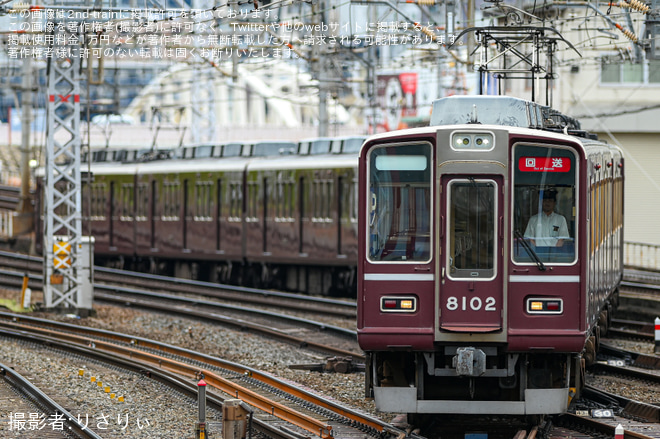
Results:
544 164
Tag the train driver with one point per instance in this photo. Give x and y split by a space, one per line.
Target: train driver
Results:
547 228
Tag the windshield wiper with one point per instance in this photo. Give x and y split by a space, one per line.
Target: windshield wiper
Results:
530 250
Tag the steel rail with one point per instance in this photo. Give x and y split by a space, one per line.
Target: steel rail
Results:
627 372
109 276
636 359
241 325
600 427
15 279
195 372
172 380
198 302
45 403
637 409
48 327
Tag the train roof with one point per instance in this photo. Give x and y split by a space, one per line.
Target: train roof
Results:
326 161
231 164
171 166
586 142
502 111
248 148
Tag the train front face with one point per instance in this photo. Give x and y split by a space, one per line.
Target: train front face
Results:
462 307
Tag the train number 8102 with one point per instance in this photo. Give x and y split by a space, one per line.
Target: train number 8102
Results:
474 304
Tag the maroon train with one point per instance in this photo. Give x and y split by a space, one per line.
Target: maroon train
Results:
266 214
467 302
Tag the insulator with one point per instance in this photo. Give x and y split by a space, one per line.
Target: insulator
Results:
426 2
425 30
636 5
17 7
631 36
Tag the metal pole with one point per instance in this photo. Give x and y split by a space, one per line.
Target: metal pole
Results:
26 121
201 402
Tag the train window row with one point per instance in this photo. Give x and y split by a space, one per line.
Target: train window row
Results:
338 145
207 200
605 220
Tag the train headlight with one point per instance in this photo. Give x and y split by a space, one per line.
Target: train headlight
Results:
482 141
545 306
405 304
472 141
462 142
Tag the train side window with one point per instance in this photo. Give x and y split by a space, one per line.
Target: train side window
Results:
399 210
98 201
544 204
283 198
172 198
235 201
352 145
127 202
203 204
252 201
232 150
142 202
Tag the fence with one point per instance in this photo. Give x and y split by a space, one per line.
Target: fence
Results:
640 255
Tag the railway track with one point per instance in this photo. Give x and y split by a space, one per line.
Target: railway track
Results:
264 392
194 303
10 196
620 356
630 365
648 376
322 337
632 329
29 411
567 425
33 266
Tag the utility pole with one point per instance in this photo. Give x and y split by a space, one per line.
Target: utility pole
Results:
319 67
67 261
202 92
470 36
23 219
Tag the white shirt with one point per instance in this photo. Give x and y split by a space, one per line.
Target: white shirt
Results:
546 230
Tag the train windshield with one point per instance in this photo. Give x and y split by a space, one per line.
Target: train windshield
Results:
544 204
399 213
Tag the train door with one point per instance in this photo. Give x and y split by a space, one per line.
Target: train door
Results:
471 290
